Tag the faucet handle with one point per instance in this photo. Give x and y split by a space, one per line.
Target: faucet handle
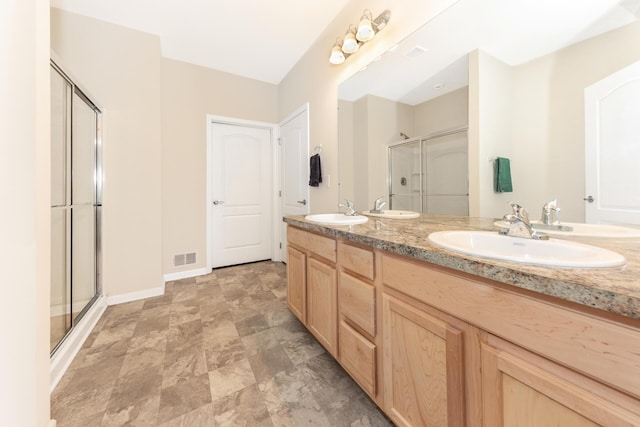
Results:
348 205
378 203
519 212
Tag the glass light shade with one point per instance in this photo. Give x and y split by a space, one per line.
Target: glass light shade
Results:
350 44
365 30
337 57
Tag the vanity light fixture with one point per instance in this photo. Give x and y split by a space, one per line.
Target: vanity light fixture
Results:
356 36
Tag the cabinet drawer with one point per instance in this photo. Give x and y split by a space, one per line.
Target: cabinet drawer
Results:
358 302
357 259
319 245
358 356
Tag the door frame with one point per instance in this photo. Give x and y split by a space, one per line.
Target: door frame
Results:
273 128
281 249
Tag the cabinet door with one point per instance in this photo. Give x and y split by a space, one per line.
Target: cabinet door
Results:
522 389
322 304
297 283
423 367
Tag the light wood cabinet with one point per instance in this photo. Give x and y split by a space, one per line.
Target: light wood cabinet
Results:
358 356
541 363
523 389
297 283
437 347
359 341
312 284
423 367
322 304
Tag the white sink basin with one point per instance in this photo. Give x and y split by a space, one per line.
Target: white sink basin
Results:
337 219
394 214
585 230
552 252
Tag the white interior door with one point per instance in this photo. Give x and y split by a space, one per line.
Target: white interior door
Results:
294 154
242 193
612 148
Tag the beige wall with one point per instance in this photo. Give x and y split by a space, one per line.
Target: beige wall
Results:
316 81
490 109
121 70
446 112
189 93
24 190
347 160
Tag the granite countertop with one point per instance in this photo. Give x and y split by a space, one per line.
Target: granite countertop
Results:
616 290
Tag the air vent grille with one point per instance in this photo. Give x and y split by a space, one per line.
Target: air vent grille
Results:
182 259
190 258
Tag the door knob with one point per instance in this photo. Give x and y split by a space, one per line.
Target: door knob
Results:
303 202
589 199
218 202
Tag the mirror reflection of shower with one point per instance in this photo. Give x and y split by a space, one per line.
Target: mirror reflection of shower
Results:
430 174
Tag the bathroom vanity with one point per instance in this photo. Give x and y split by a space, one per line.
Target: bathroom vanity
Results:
441 339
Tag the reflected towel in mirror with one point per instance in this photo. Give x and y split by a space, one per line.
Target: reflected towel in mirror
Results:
502 175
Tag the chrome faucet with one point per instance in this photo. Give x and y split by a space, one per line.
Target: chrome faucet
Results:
519 225
348 205
378 204
551 213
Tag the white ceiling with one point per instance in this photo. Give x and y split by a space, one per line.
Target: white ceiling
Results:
258 39
515 31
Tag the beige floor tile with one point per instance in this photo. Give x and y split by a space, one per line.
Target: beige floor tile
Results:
230 378
183 397
221 349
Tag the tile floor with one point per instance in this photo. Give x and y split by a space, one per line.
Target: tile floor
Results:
215 350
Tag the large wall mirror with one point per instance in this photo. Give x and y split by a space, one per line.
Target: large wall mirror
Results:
508 79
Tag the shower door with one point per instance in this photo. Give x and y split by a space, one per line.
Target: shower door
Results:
445 174
405 176
75 178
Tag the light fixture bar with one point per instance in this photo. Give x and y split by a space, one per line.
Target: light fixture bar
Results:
356 36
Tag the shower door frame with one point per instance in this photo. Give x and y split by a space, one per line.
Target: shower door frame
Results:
97 204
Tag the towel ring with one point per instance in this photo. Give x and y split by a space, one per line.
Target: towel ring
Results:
317 149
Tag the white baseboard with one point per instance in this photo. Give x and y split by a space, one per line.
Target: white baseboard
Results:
52 423
185 274
134 296
73 342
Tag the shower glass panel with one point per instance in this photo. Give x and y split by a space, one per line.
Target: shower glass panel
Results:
405 176
446 175
60 313
75 178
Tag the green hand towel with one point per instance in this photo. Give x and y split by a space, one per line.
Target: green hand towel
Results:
502 175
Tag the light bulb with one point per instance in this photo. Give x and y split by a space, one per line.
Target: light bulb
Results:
365 29
337 57
350 44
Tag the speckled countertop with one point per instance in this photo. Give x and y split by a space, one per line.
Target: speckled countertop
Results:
616 290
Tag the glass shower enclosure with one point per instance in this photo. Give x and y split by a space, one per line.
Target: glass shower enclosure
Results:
75 205
430 174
